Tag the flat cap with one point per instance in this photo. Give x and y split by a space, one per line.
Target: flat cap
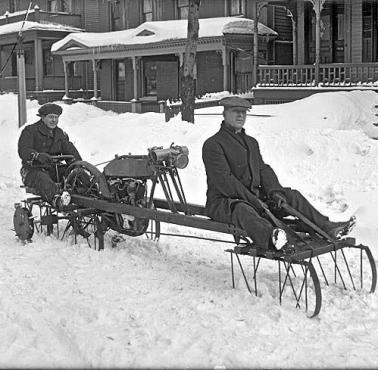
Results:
50 108
235 101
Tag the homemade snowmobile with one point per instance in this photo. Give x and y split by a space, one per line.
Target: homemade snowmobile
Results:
121 198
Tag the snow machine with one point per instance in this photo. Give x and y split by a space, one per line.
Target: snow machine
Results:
122 198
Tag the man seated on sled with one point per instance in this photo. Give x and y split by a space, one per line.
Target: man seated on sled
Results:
238 181
37 143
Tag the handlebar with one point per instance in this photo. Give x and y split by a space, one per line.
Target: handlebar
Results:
56 159
63 157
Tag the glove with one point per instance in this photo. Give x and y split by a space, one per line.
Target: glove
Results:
278 197
44 158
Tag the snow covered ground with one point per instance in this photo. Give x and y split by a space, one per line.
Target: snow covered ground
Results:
170 304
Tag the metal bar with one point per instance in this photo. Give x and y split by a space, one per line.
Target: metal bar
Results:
279 280
258 263
337 270
242 270
167 193
232 270
292 285
304 284
286 276
306 289
151 199
196 237
254 274
166 181
347 266
292 269
178 192
321 268
162 216
182 191
361 272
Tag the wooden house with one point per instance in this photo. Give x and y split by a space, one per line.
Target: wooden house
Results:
282 44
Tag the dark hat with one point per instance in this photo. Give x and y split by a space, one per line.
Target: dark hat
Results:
235 101
49 108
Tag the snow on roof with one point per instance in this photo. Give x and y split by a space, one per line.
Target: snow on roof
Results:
154 32
28 26
20 12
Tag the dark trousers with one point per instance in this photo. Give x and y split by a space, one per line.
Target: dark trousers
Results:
43 181
260 229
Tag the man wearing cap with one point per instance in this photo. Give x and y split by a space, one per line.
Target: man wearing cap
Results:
239 180
37 143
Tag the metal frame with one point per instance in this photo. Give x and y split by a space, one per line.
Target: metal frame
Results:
87 220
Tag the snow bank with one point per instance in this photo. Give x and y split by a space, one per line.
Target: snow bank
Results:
170 304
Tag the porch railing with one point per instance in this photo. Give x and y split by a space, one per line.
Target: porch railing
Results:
336 74
49 83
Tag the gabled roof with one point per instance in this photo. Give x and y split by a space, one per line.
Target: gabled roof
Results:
160 31
28 26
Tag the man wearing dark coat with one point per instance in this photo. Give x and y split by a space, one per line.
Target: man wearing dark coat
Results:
238 180
37 143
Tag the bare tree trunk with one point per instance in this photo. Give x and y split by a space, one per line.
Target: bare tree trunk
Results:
187 70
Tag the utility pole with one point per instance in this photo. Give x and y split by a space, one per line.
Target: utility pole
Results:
21 78
21 84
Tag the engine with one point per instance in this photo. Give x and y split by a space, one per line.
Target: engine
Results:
127 180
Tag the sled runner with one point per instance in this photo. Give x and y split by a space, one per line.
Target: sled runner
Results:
122 198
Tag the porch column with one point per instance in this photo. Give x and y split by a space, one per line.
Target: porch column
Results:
66 88
181 62
95 88
294 35
225 68
255 17
136 61
136 104
300 33
256 6
318 6
38 64
347 34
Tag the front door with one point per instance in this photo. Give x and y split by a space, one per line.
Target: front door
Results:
120 80
332 30
369 31
338 31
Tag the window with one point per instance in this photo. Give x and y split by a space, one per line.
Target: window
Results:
116 15
28 60
182 9
340 26
237 7
12 6
147 14
14 64
60 6
48 63
150 78
52 6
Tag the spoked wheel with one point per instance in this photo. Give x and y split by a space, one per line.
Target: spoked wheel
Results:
86 180
81 181
300 281
23 223
349 268
91 228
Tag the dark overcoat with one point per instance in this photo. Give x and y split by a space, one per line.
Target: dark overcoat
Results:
38 138
235 172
